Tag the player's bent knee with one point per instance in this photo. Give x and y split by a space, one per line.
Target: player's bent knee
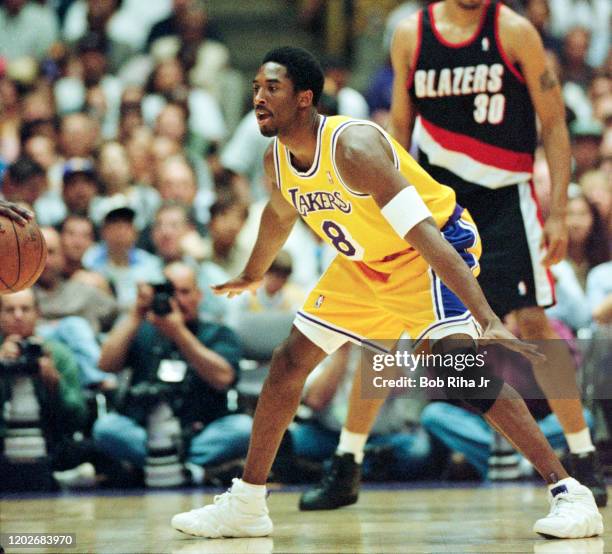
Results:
286 364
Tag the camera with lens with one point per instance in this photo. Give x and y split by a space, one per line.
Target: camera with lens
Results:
162 292
30 351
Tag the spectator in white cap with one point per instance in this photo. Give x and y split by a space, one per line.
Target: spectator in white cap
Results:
117 258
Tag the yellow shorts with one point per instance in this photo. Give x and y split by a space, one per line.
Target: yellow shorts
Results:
352 302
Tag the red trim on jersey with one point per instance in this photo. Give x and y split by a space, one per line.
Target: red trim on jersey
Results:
417 50
534 196
372 274
482 152
465 42
507 62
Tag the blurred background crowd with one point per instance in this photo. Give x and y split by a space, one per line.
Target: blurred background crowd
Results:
126 125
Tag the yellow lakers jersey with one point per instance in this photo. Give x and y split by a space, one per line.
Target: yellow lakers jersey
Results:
350 221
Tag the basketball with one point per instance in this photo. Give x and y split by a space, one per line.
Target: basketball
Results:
23 252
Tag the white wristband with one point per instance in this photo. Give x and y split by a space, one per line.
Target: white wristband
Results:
405 210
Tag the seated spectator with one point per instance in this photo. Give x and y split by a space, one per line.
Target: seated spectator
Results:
597 188
24 182
95 90
227 217
243 154
27 29
175 239
80 187
587 247
171 122
177 181
206 357
43 150
275 294
538 13
143 164
115 179
79 135
77 235
96 17
592 15
142 161
588 240
409 453
573 60
60 297
125 24
586 140
63 409
174 234
38 115
468 433
130 112
168 82
350 102
171 25
9 118
117 258
72 312
599 293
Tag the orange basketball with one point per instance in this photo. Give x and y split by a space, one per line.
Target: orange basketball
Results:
23 253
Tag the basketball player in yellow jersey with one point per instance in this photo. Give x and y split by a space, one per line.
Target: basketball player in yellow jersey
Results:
406 259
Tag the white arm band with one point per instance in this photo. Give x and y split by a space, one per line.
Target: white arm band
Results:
405 210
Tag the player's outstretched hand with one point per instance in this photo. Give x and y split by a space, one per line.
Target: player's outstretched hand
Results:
497 333
237 286
15 212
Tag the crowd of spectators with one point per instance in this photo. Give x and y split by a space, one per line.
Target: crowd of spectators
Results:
122 125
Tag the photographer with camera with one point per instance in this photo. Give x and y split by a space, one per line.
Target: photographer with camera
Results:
40 380
178 360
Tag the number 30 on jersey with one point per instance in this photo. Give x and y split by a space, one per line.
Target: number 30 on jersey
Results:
489 109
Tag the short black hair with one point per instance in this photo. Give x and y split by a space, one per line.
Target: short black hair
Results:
24 169
302 68
226 202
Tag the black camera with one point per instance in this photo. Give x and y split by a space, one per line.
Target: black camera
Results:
30 351
162 292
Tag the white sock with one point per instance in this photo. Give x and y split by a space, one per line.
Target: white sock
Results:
352 443
255 491
580 442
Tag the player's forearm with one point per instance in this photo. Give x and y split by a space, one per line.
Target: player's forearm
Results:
459 278
211 367
115 348
558 154
451 269
272 235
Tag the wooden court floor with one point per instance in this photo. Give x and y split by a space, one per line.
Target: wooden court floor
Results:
484 519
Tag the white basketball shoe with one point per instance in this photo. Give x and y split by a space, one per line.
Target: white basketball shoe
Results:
573 513
239 512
